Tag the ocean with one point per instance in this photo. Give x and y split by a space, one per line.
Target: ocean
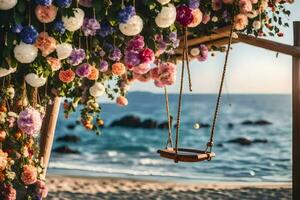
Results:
132 152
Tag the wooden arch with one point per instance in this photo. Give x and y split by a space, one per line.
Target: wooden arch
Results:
218 38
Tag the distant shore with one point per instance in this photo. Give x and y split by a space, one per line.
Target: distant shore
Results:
82 188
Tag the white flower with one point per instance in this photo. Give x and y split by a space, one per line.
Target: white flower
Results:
252 14
97 89
25 53
5 72
74 23
34 80
214 19
195 52
7 4
163 2
133 27
166 17
63 50
256 24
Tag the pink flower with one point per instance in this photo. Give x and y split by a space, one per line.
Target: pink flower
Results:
122 101
30 121
206 18
41 189
164 75
141 69
29 175
184 15
11 193
216 5
203 53
45 43
240 21
142 78
46 14
147 56
245 6
54 63
198 15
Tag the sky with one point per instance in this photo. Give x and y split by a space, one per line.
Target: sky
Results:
250 69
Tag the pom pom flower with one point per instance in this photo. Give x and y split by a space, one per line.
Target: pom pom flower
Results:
66 76
126 13
46 14
184 15
97 90
29 34
64 50
166 17
76 57
7 4
132 27
25 53
45 43
75 22
34 80
30 121
90 27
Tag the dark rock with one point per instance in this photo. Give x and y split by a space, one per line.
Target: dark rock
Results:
71 126
127 121
260 141
220 145
230 125
65 150
204 125
163 125
256 123
149 124
68 138
241 141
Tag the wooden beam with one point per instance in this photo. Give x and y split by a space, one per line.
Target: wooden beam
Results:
270 45
296 116
48 130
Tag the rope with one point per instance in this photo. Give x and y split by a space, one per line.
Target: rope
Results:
169 142
187 58
180 98
210 143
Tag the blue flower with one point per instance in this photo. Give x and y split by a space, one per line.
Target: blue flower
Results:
194 4
63 3
29 34
126 13
17 28
59 27
43 2
105 30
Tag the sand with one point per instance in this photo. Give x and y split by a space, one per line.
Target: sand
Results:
80 188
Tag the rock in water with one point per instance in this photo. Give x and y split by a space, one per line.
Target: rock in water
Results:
65 150
71 126
241 141
68 138
149 124
256 123
127 121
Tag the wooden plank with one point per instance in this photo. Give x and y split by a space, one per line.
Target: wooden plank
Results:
270 45
296 116
48 130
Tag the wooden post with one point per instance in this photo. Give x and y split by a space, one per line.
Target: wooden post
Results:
296 116
48 130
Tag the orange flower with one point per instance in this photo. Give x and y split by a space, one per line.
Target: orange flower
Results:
66 76
3 160
122 101
2 176
118 69
45 43
29 174
54 63
94 75
2 135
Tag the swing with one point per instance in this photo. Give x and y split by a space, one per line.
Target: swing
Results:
188 154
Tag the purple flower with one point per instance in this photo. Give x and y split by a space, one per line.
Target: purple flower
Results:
132 58
90 27
103 66
137 43
29 35
76 57
184 15
83 70
115 54
30 121
173 36
194 4
126 13
102 53
106 30
226 15
203 53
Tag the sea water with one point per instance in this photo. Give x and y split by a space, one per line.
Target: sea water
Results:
131 152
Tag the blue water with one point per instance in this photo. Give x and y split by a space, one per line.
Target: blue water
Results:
131 153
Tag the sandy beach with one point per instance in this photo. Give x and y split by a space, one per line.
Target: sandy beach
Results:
80 188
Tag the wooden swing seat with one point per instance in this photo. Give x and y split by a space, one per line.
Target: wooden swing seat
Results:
186 155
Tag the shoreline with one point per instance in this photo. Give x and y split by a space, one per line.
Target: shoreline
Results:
75 187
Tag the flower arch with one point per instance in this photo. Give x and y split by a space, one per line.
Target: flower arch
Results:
81 50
